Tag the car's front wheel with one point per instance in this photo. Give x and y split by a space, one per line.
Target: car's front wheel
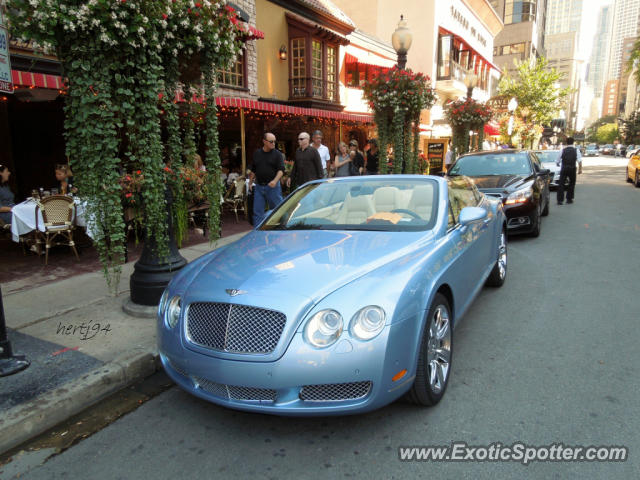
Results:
434 359
499 272
636 181
536 225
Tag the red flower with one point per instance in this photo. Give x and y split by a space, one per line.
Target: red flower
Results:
198 4
165 16
139 172
128 194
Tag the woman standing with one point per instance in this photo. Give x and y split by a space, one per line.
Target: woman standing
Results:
342 161
6 195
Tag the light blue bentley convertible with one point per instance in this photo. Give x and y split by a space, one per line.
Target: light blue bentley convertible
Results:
343 299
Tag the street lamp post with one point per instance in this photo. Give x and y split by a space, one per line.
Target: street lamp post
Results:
471 82
512 105
401 41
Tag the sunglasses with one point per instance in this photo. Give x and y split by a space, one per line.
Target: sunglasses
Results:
272 142
302 138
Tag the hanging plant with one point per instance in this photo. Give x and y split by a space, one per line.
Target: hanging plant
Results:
464 116
123 61
397 97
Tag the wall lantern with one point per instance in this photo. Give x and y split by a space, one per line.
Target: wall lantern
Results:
282 53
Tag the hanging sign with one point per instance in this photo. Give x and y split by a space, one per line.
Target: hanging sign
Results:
6 82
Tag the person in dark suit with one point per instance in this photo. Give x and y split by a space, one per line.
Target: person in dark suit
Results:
307 165
568 160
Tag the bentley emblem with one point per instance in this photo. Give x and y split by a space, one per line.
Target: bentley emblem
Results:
233 292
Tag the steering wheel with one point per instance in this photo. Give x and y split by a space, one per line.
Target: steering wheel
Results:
408 212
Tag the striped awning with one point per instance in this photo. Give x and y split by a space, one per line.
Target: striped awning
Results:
40 80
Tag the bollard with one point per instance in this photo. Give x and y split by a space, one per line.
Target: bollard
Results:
9 363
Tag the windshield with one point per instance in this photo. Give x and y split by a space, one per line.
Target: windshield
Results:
548 156
405 204
507 163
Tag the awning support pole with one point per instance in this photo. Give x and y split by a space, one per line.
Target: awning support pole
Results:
242 143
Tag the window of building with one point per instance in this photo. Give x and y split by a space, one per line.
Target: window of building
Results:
517 11
234 75
298 67
332 76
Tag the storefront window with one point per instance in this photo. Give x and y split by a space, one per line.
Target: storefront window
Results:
331 73
234 76
298 67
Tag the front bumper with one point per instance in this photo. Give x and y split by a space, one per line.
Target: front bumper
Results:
349 377
521 218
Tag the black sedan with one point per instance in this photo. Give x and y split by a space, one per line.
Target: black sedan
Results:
517 178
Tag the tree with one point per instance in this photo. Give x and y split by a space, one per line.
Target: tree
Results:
592 130
630 128
535 88
607 133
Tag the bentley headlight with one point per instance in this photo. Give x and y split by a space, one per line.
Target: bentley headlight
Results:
163 302
324 328
173 312
368 322
519 196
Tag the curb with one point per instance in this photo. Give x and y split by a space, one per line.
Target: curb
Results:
30 419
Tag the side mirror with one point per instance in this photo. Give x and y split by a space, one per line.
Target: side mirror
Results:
471 214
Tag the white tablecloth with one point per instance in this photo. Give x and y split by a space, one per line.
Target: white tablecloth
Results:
23 218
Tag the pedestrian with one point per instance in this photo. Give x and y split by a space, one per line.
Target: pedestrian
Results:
357 158
323 150
567 162
307 165
448 157
371 161
7 199
342 161
267 170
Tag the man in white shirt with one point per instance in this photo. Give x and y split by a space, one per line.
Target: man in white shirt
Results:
325 156
569 158
448 157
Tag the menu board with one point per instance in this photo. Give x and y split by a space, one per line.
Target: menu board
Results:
435 154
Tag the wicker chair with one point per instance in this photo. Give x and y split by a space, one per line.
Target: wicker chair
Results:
236 199
57 213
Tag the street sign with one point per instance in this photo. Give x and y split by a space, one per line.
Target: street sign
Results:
6 82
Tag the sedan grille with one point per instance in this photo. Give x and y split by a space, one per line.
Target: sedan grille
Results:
494 195
234 328
230 392
333 392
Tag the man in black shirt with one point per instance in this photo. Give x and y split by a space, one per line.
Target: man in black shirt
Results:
307 165
268 168
567 162
372 158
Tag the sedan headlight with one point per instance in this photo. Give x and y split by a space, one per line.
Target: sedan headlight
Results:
324 328
163 302
367 323
519 196
173 312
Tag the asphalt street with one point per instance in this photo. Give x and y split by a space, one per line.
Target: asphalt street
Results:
550 358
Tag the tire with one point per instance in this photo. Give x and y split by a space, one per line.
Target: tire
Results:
499 273
626 175
636 181
536 228
434 360
545 212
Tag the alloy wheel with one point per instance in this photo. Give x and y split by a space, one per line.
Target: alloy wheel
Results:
502 255
439 349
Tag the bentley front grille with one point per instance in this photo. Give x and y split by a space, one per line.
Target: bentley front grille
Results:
230 392
234 328
334 392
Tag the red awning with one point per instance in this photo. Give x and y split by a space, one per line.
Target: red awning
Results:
292 110
492 129
40 80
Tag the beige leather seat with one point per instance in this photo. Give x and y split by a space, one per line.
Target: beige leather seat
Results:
385 199
355 210
421 201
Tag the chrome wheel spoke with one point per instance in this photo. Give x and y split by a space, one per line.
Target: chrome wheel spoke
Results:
433 376
443 355
442 375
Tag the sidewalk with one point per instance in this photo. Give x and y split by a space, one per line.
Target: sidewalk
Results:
82 347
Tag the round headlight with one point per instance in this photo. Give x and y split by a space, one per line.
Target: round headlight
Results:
324 328
173 312
163 302
368 322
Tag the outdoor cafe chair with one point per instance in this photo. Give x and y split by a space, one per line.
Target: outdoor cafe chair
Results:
236 198
57 213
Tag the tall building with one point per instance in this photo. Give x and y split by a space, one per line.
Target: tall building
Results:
564 29
453 40
522 37
610 98
600 53
627 47
625 25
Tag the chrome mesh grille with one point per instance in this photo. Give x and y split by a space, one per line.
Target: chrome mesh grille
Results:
231 392
234 328
178 369
335 392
